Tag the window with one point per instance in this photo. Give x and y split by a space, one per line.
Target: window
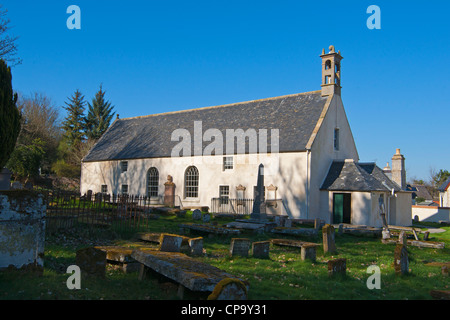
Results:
227 163
152 182
336 139
224 194
327 79
191 182
124 189
124 166
104 188
328 65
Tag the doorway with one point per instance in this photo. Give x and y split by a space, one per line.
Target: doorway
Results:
342 207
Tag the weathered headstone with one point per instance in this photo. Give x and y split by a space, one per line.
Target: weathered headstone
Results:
196 214
329 245
318 224
308 251
239 247
385 234
340 228
287 223
169 192
92 261
5 179
229 289
170 243
401 263
261 249
206 217
337 267
444 271
403 238
196 246
426 235
16 185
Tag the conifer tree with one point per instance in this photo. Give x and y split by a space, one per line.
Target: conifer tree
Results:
99 116
73 124
9 115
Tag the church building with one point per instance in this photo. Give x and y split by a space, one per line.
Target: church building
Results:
212 156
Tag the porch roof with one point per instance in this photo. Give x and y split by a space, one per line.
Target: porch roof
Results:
347 175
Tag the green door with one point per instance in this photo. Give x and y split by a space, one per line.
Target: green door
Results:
338 207
341 208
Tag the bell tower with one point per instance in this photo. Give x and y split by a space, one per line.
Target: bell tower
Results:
331 72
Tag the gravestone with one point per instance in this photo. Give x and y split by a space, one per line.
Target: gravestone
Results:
259 206
5 179
170 243
196 214
308 252
16 185
426 235
169 192
206 218
229 289
287 223
401 263
328 233
337 267
239 247
92 261
403 238
318 224
261 249
385 234
196 246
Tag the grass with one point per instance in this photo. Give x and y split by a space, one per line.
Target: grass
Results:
282 277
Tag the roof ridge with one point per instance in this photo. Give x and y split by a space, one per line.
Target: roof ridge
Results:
221 106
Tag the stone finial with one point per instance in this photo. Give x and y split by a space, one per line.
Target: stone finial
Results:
331 48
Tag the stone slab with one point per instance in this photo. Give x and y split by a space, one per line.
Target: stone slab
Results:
292 243
190 273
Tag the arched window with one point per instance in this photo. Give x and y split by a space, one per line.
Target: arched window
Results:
191 182
327 64
152 182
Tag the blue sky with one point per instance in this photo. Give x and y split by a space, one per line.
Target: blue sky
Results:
160 56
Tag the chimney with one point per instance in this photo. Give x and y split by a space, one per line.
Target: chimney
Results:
398 169
331 72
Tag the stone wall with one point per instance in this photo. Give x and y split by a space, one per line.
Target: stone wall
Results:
22 230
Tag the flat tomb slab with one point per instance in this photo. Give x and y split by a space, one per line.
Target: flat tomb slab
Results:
210 229
245 225
292 243
192 274
116 253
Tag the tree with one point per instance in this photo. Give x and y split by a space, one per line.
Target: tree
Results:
440 177
9 115
99 116
40 120
8 48
26 160
73 124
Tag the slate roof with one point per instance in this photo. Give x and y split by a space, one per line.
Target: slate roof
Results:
445 185
295 116
354 176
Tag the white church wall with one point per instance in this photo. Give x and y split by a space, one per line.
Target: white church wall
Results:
286 171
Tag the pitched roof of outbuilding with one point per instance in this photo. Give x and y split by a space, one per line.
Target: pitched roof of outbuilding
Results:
354 176
295 116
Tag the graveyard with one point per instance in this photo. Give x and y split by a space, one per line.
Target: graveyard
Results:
316 262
